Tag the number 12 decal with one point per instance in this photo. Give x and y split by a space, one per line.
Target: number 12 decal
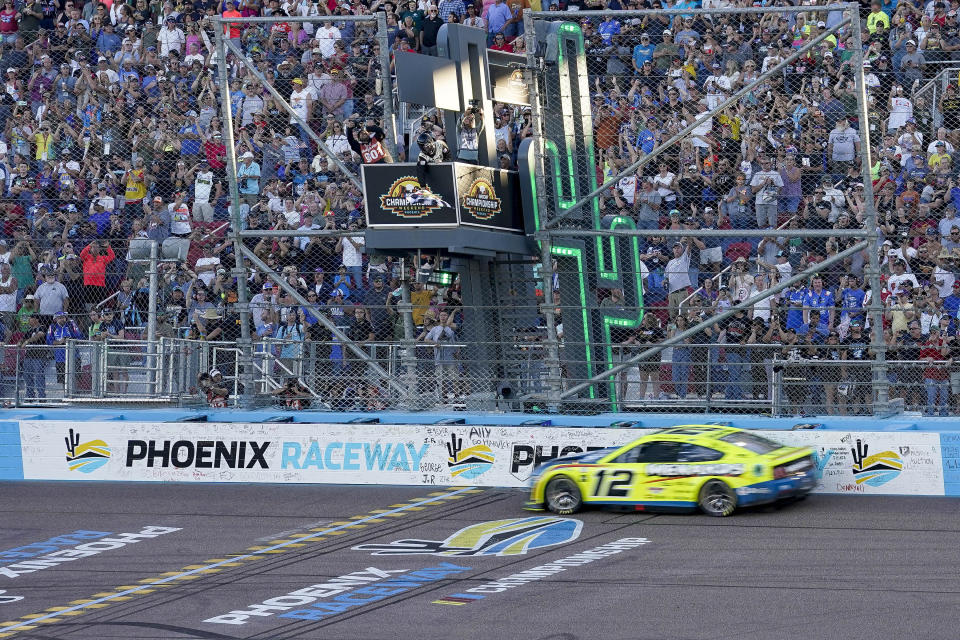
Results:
617 483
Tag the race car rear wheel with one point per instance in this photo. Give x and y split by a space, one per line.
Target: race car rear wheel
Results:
563 496
717 499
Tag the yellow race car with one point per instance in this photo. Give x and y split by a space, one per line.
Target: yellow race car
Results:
714 468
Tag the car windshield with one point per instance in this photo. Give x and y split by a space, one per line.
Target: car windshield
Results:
751 442
593 456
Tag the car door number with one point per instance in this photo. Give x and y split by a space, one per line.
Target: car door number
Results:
613 484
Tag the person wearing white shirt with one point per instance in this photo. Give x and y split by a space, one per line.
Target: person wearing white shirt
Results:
677 273
171 38
901 281
943 278
767 182
290 213
351 250
308 224
326 36
941 137
203 188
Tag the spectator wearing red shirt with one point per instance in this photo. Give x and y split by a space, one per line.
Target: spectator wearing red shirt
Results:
95 257
936 374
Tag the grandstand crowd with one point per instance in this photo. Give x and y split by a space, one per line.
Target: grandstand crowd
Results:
111 138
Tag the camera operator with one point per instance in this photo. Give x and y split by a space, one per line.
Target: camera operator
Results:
471 124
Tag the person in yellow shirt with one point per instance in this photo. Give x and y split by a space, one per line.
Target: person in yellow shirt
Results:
43 139
877 16
136 185
939 153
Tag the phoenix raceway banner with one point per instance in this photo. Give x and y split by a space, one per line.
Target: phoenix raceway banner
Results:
905 463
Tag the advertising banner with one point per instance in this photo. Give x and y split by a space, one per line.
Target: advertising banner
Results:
904 463
489 198
405 195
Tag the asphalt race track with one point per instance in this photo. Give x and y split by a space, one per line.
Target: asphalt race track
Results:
144 561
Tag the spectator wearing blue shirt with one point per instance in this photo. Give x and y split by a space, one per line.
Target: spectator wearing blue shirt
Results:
818 297
642 53
108 42
647 138
497 16
951 305
851 299
795 298
61 330
813 331
607 29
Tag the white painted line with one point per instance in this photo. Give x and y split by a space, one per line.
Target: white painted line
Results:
122 594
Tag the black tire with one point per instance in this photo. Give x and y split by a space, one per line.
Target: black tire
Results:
717 499
563 496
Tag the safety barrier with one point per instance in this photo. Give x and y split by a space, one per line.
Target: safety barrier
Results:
863 462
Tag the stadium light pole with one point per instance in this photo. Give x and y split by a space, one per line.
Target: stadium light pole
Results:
680 135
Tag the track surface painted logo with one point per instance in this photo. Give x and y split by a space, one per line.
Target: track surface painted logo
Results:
512 537
481 200
409 199
85 457
877 469
468 463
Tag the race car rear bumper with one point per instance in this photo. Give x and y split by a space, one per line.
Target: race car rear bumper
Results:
794 486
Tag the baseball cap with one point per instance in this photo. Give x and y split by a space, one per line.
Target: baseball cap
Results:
247 155
60 314
215 372
667 32
267 285
33 297
297 81
912 43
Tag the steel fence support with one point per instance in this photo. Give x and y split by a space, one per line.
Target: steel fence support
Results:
386 86
152 377
408 355
881 390
239 272
548 309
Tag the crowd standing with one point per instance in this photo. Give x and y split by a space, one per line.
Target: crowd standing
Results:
112 137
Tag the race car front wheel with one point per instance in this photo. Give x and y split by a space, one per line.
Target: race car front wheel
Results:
563 496
717 499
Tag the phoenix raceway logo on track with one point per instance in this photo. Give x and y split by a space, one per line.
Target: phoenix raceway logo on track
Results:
85 457
877 469
468 463
511 537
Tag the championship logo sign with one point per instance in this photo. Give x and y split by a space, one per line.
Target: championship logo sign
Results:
410 200
480 200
